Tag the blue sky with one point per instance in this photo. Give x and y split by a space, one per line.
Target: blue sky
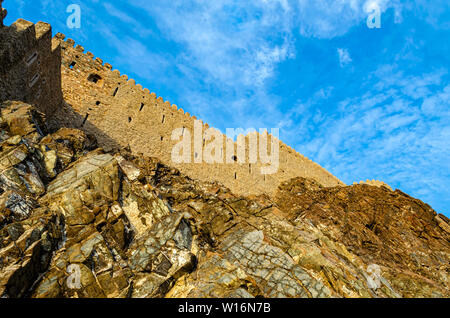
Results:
364 103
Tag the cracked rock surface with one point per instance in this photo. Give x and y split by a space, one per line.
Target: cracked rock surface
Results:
78 222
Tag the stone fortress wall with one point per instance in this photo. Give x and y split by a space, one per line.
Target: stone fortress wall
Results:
76 90
107 104
3 13
30 64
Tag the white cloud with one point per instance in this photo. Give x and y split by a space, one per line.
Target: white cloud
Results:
344 57
227 39
397 133
121 15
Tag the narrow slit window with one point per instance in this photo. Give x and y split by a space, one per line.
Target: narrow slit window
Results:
235 175
115 91
163 118
129 119
142 107
32 58
84 120
34 80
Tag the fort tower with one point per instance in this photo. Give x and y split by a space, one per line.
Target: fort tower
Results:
30 64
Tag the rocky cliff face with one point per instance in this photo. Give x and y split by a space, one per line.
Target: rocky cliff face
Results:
78 222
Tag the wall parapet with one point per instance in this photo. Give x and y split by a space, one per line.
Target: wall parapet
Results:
145 120
70 43
30 65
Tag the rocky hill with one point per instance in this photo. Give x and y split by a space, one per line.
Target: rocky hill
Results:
76 221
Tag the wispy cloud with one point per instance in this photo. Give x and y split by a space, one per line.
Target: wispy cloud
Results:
226 40
400 137
344 57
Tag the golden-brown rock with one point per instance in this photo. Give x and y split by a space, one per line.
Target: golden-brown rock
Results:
78 222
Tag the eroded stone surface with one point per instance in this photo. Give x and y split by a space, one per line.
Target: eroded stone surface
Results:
78 222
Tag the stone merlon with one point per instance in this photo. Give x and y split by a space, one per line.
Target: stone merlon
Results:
3 13
30 65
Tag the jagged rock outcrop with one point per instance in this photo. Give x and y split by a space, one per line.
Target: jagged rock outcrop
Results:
78 222
403 235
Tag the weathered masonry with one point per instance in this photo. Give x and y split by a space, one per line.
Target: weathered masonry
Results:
120 113
77 90
30 65
3 13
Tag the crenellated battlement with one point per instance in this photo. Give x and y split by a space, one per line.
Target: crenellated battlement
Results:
30 64
3 13
129 115
119 112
